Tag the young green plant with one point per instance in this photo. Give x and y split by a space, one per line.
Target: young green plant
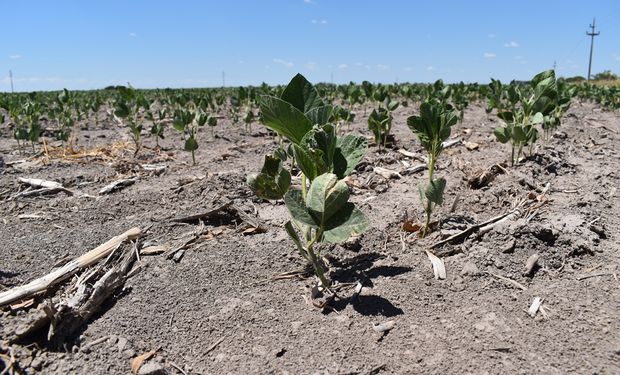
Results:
320 209
432 127
524 109
380 121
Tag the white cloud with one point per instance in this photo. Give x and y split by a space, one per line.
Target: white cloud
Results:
382 67
311 65
133 35
322 22
343 66
284 63
430 68
489 55
309 2
15 57
511 44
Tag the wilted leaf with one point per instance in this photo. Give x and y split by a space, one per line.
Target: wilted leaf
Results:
138 361
411 227
273 181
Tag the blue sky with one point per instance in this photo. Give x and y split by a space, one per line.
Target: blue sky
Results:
90 44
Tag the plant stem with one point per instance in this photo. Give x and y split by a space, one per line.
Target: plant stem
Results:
316 262
304 186
428 219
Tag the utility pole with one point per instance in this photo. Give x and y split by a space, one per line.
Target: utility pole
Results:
592 35
11 79
554 64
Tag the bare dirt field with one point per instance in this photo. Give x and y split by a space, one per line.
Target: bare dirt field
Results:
219 306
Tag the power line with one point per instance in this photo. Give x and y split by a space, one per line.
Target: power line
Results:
592 35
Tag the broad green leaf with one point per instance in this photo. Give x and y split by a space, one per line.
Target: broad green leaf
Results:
393 105
284 119
178 124
433 125
301 94
348 221
191 144
319 115
538 118
519 135
434 191
326 196
350 149
507 116
122 110
502 134
297 208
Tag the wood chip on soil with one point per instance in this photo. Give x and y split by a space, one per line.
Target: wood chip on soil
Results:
439 269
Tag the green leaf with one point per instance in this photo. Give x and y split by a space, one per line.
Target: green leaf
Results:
507 116
326 196
305 161
349 221
519 135
502 134
122 110
191 144
301 94
434 191
350 149
178 124
538 118
284 119
297 208
319 115
393 105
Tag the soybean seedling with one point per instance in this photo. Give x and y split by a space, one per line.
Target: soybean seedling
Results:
183 121
432 127
158 127
380 121
320 211
128 104
525 110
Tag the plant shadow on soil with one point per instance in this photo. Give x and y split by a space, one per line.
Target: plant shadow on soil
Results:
361 268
